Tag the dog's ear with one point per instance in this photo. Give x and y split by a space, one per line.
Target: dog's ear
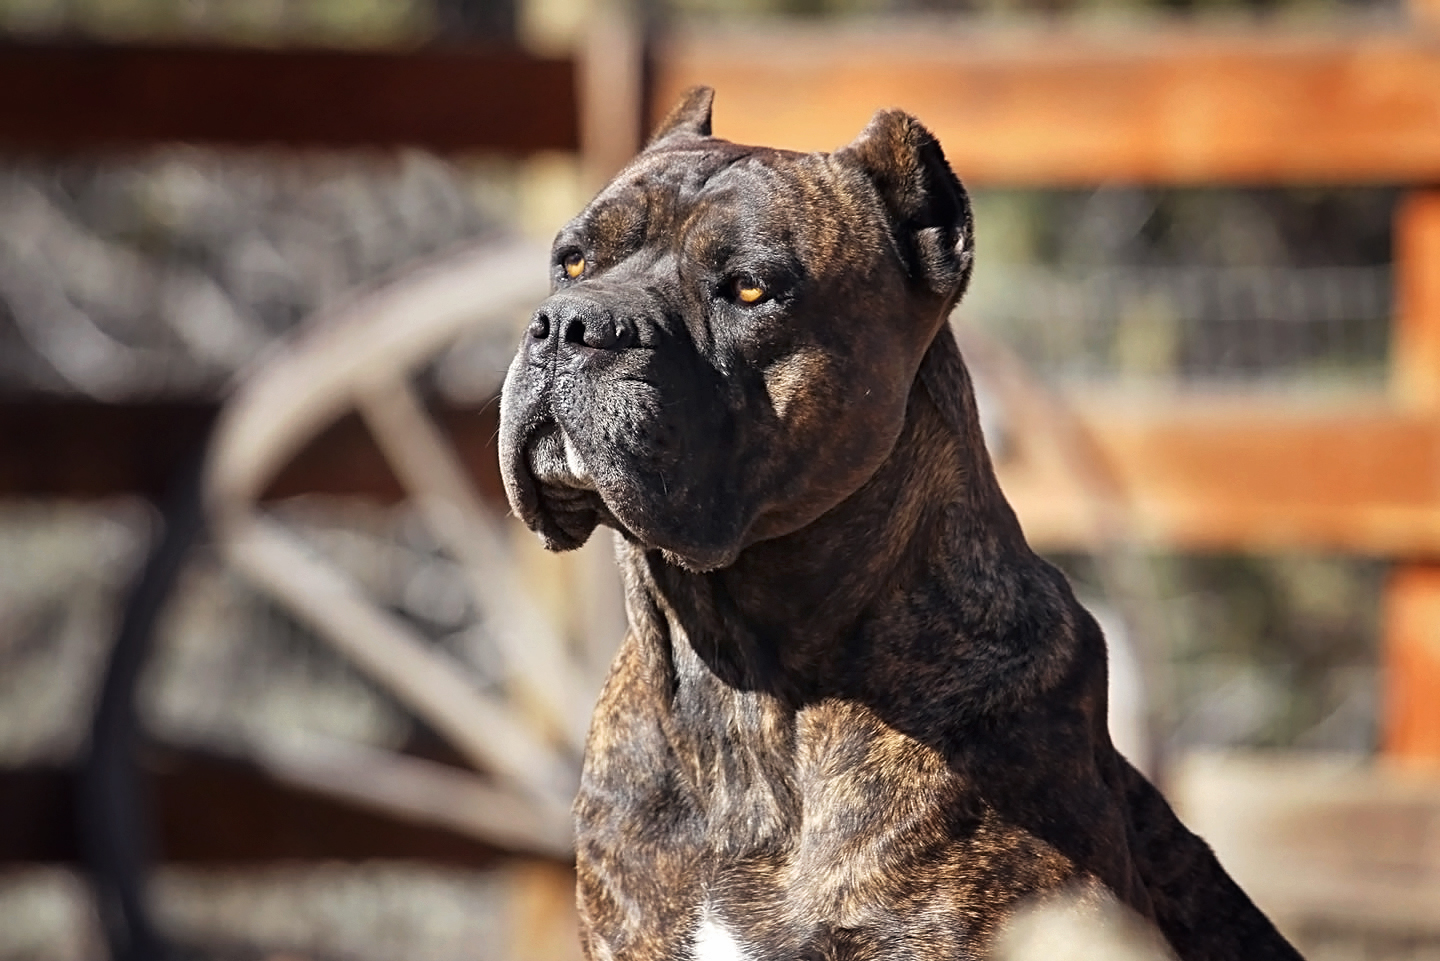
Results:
688 118
928 207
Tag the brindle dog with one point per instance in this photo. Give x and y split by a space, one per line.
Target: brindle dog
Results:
854 717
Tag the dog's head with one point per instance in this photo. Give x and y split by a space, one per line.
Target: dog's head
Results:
732 337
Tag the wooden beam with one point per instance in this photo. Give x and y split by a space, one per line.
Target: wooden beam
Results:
545 924
344 459
1065 107
1238 473
61 98
84 449
211 811
37 816
1221 472
1412 665
613 93
217 811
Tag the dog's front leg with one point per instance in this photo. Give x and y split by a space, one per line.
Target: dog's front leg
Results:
1200 910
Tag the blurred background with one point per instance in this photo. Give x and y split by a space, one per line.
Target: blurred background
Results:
280 679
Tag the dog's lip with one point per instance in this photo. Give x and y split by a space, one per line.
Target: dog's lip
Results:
569 514
563 516
549 494
555 494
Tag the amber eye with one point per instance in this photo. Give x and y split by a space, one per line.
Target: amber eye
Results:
574 265
748 291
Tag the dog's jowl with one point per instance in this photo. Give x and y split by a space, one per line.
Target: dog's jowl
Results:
854 716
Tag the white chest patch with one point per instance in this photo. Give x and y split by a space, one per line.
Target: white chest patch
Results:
714 943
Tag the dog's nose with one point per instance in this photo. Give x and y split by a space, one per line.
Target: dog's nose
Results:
579 322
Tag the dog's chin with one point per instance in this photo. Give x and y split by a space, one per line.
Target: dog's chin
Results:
670 531
700 561
565 517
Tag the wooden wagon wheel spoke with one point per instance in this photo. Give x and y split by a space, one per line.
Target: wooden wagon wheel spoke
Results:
360 355
432 684
420 790
424 460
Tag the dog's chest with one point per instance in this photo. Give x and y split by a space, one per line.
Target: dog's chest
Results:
712 940
822 854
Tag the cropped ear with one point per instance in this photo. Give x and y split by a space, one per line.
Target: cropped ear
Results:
688 118
928 207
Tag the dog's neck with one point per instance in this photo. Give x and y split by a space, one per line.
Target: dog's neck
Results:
949 538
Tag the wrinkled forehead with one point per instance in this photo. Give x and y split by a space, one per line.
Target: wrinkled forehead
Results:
717 196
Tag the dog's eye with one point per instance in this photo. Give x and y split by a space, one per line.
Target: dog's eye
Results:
574 264
748 290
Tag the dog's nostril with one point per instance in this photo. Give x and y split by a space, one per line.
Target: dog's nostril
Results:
602 335
598 333
539 327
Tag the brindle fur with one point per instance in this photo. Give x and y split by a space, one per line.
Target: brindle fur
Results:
854 715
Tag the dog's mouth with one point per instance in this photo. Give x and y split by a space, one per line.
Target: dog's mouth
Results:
558 499
555 494
562 496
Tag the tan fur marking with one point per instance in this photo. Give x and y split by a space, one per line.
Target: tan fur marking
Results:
785 381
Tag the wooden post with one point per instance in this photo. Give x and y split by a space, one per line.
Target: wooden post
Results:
1412 595
612 93
545 926
1412 664
1415 351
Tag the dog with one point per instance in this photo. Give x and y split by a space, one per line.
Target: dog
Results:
854 716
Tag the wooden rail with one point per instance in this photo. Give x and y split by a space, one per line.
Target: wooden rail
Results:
214 811
84 449
1415 353
1242 474
1061 107
1056 108
86 97
1412 598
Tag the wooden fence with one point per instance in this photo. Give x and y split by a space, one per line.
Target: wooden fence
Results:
1159 105
1181 106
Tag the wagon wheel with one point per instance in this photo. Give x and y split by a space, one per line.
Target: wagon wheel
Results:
361 356
523 742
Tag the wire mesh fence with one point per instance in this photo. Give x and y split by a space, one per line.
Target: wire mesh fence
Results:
1247 288
1235 326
